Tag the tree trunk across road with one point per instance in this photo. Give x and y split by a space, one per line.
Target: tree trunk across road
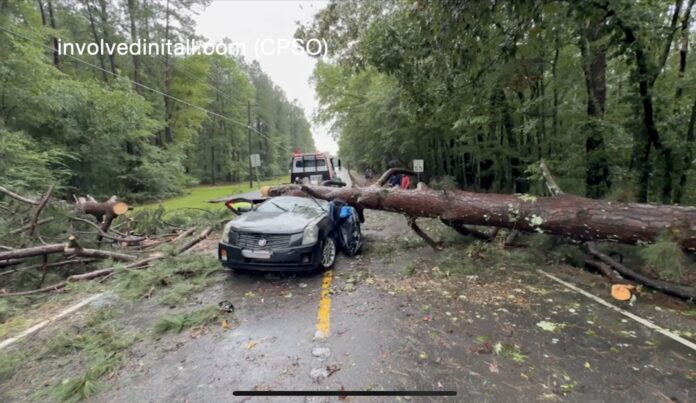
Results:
574 217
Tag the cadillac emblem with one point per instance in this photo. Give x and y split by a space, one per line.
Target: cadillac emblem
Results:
262 242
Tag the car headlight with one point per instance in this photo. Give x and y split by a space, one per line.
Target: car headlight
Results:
310 234
226 232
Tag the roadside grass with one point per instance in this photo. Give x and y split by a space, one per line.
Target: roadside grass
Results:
9 362
197 196
101 344
178 322
172 280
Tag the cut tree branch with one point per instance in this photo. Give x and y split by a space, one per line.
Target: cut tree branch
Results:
108 271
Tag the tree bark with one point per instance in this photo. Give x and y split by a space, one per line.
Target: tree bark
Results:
684 48
594 63
687 160
168 136
104 16
95 208
132 17
646 80
569 216
95 36
52 20
37 210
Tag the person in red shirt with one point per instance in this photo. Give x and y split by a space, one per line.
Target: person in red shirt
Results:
405 182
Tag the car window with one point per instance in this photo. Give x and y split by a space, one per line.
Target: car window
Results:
300 205
311 161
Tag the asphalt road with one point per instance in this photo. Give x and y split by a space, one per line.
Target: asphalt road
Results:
501 334
476 318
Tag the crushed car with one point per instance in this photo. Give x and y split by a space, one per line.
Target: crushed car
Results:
288 233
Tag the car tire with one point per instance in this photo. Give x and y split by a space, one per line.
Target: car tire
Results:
351 242
328 253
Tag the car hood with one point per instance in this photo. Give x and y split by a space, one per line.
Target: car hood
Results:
273 223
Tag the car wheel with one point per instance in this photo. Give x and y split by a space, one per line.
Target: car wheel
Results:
328 253
351 239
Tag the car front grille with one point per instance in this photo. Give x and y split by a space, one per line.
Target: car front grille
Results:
249 240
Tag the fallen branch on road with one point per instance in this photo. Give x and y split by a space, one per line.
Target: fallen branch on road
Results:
661 285
143 263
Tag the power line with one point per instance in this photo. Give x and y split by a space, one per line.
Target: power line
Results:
186 73
250 127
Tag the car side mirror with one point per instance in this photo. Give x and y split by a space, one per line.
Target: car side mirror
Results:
239 207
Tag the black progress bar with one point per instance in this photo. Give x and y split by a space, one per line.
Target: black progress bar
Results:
345 393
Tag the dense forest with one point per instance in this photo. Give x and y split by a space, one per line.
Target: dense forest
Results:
603 90
142 126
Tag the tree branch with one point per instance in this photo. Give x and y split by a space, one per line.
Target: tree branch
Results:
664 286
17 197
40 206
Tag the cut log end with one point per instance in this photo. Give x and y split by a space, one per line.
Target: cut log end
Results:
120 208
622 292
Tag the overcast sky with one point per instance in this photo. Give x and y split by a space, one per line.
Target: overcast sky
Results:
251 22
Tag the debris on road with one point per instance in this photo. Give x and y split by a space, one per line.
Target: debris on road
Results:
319 374
321 352
551 326
226 306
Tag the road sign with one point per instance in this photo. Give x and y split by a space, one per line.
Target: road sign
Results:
255 160
418 166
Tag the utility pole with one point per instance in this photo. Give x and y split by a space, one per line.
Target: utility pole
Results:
251 180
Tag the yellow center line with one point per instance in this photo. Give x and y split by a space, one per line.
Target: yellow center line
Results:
324 312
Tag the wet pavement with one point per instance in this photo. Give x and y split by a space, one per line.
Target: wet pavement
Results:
476 318
501 334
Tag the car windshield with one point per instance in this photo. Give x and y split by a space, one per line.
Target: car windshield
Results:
300 205
311 162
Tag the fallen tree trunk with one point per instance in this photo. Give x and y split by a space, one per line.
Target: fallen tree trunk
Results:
565 215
